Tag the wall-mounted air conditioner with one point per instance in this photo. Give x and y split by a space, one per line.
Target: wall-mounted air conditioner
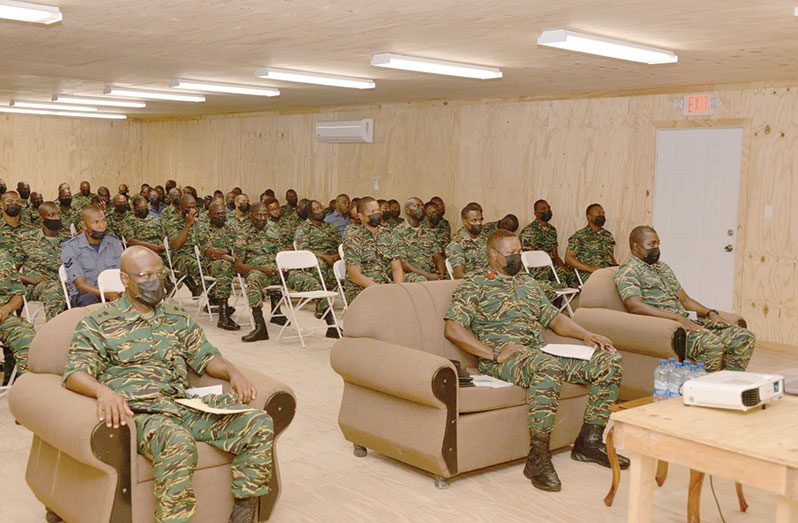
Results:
356 131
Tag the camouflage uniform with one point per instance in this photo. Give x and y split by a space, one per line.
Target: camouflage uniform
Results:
501 311
146 361
10 240
224 272
183 259
70 216
15 333
260 248
286 227
539 237
373 254
490 227
31 216
239 226
349 229
42 259
443 235
117 224
393 223
720 347
592 248
323 239
170 214
417 246
471 253
79 201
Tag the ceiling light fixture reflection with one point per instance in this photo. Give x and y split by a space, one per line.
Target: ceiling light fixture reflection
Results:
213 87
128 92
428 65
601 46
314 78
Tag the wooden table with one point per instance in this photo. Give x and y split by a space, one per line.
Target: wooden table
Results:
757 448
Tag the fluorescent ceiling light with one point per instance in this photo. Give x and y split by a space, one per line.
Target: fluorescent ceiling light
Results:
225 88
426 65
54 107
60 98
584 43
152 95
42 112
27 12
314 78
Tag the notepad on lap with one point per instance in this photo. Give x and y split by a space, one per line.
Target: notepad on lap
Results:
204 391
197 404
580 352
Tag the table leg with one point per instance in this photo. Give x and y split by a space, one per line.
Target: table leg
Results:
662 472
786 510
741 497
616 469
694 496
641 488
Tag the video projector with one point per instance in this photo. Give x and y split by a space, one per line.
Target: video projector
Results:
727 389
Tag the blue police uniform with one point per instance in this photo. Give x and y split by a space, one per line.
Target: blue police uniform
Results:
81 259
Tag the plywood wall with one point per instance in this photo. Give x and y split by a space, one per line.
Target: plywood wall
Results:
46 151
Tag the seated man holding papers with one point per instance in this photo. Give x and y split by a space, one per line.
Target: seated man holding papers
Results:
499 315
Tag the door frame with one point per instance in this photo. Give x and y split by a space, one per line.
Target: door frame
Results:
742 200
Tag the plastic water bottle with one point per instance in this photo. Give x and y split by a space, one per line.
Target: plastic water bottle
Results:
692 374
700 370
672 364
675 380
661 373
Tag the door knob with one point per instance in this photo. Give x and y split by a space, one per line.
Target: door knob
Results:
728 248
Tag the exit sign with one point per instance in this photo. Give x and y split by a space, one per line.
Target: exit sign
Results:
699 104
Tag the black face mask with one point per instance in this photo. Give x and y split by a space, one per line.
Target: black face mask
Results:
123 193
155 202
35 204
258 224
652 256
53 225
512 264
151 293
175 201
86 193
375 219
244 207
14 209
545 216
475 229
122 208
97 235
600 220
319 216
65 202
141 213
302 213
435 219
395 214
292 202
2 189
419 214
218 221
386 215
24 195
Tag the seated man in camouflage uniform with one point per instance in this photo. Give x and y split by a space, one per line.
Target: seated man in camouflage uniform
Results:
83 198
370 253
498 315
218 240
508 223
23 189
593 247
396 213
32 213
649 287
466 251
42 250
422 258
172 210
286 221
444 228
433 221
183 235
119 217
16 334
133 355
68 214
541 235
354 218
12 227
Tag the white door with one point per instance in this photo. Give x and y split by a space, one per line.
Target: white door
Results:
696 190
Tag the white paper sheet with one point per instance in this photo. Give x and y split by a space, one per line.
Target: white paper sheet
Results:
197 404
482 380
580 352
204 391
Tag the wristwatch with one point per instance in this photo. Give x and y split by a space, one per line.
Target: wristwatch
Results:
496 353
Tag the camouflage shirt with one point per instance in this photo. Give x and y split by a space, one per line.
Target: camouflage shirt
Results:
10 282
144 360
287 228
260 246
42 253
655 284
31 216
148 230
322 238
173 230
500 310
169 214
218 237
70 216
239 226
593 248
117 224
490 227
471 253
417 245
443 234
395 222
79 201
373 253
11 239
539 237
349 229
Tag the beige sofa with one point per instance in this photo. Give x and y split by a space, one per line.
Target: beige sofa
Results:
401 396
83 471
644 340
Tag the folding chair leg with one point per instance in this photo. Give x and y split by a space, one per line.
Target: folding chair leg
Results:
331 312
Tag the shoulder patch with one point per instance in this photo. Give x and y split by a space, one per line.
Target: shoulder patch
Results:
109 312
171 308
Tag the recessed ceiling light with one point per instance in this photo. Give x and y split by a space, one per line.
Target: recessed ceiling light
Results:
27 12
98 101
427 65
152 95
54 107
225 88
42 112
598 45
314 78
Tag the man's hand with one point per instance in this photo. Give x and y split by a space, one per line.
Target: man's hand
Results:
112 408
190 216
214 253
599 342
3 315
717 317
508 351
242 388
111 296
691 326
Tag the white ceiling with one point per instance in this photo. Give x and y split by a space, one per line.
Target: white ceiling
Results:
147 43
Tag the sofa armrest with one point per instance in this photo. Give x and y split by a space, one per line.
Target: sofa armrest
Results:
735 319
646 335
275 397
399 371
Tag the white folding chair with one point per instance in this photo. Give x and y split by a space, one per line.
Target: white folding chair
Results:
72 230
295 246
4 389
537 259
341 251
62 275
242 307
172 274
579 279
449 269
28 305
204 298
339 268
109 281
124 242
298 260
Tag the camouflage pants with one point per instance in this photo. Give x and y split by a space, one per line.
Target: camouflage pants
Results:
721 346
308 280
185 264
544 275
542 375
169 442
257 282
224 273
48 292
16 334
412 277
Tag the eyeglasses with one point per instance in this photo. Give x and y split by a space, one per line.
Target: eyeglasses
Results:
147 276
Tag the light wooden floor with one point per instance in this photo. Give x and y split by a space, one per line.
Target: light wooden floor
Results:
324 482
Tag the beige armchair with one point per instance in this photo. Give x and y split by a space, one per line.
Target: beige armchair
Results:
643 340
401 396
83 471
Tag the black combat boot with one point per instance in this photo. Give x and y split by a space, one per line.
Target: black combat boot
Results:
278 318
332 332
8 365
194 287
539 468
225 321
260 332
589 448
244 510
